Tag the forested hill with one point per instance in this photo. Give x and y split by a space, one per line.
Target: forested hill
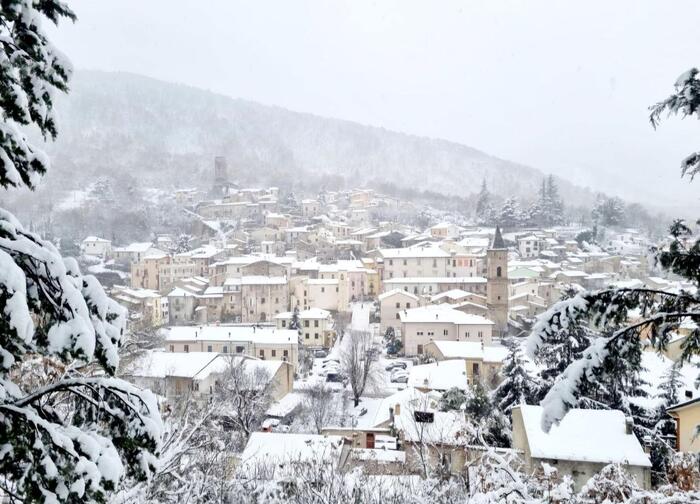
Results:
167 135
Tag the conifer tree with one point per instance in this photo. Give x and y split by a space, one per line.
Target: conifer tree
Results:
657 314
517 386
484 209
74 438
664 427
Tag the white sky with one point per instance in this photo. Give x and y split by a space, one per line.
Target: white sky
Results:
560 85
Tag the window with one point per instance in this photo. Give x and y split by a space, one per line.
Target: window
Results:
284 323
434 263
419 350
262 300
498 271
405 262
315 335
466 334
306 336
391 262
315 323
408 305
480 334
208 348
172 348
285 353
239 349
397 316
187 348
431 333
419 333
225 348
323 289
274 353
444 332
262 354
306 323
398 305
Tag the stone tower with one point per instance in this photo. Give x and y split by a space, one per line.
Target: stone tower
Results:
497 284
220 176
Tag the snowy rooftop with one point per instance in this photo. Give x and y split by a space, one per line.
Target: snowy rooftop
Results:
451 294
435 280
263 335
135 247
195 365
266 448
442 313
447 428
471 350
442 375
410 252
393 292
583 435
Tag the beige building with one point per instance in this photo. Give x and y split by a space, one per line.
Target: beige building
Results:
420 326
145 274
582 444
687 417
264 342
316 326
391 304
147 303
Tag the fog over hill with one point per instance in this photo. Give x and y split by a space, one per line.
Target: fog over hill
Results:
168 135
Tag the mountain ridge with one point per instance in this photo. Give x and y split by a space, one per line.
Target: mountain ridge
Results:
169 133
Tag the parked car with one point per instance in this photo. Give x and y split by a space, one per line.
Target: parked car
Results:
320 353
400 378
335 377
330 370
396 365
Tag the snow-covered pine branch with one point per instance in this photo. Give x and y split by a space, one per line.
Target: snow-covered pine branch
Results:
75 437
625 315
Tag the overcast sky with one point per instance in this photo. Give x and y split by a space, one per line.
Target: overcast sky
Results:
562 86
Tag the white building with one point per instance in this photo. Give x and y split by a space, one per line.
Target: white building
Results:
96 246
420 326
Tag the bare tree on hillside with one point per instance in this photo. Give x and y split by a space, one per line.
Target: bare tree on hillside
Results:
319 405
358 359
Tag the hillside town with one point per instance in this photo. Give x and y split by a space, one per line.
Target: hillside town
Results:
395 349
248 254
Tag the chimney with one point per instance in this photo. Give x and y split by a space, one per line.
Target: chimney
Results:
629 425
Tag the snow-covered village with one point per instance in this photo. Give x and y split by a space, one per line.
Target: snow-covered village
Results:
247 254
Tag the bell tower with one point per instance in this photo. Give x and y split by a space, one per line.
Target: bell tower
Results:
497 284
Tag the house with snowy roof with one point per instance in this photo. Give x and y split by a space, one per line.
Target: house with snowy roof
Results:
420 326
175 375
482 362
96 246
581 444
133 252
281 456
264 342
391 303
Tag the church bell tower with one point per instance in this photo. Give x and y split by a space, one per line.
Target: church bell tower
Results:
497 284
